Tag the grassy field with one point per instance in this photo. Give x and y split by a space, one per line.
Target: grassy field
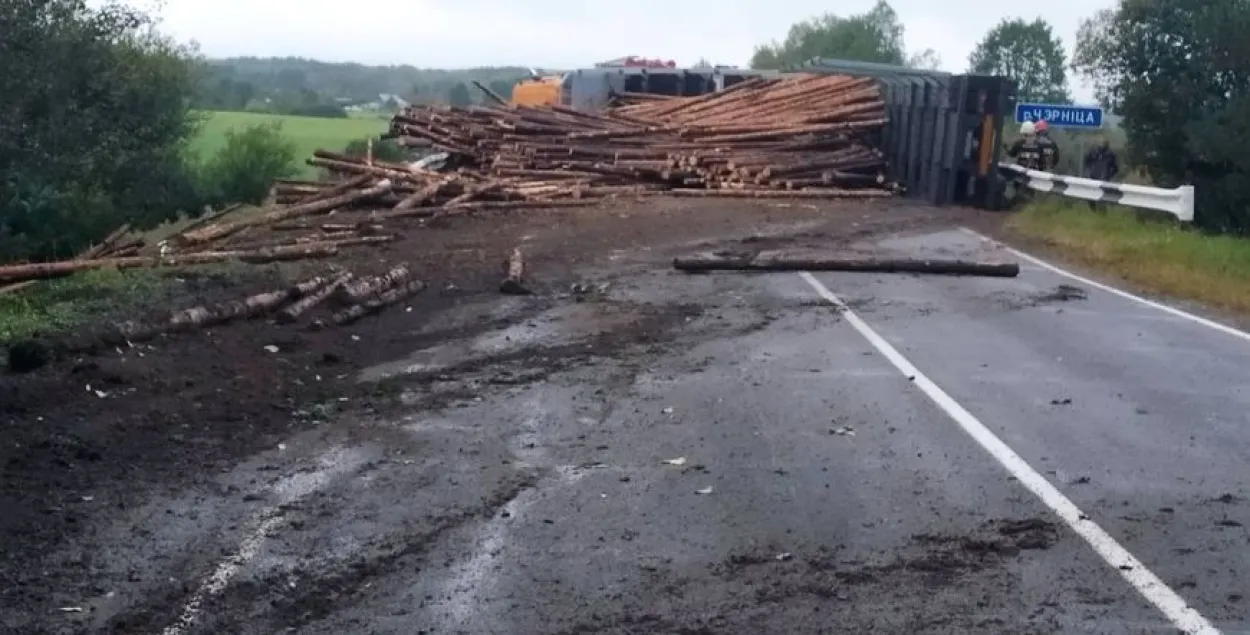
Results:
308 133
1153 254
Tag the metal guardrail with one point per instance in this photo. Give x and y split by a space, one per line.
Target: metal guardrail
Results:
1179 202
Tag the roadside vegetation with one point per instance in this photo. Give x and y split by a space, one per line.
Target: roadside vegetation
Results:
304 134
1148 251
69 302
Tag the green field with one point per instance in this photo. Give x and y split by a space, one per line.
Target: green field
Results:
1157 255
308 133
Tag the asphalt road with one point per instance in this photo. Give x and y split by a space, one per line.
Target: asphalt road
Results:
734 455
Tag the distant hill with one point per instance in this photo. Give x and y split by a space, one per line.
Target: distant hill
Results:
239 83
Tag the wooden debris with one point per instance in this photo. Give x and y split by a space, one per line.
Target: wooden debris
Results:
796 136
38 271
874 265
512 284
365 288
213 232
312 298
251 306
378 302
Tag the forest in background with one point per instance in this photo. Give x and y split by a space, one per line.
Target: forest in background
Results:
297 86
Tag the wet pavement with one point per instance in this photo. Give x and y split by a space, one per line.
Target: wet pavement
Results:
654 452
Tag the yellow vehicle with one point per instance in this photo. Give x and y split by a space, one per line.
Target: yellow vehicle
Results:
592 88
537 91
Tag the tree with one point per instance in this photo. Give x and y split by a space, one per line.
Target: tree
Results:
927 60
245 167
875 36
94 121
459 95
1030 54
1178 73
703 63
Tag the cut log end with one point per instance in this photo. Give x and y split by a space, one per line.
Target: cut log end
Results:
513 283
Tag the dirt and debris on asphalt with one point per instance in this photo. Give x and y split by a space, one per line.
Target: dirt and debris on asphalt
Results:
626 449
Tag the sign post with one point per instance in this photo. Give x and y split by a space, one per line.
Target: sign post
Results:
1088 118
1061 116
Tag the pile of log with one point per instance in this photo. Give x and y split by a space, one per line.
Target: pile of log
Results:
798 136
801 136
805 134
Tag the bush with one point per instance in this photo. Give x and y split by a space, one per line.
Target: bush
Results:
383 150
244 168
94 122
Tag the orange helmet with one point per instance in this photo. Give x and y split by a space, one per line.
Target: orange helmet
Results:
1041 126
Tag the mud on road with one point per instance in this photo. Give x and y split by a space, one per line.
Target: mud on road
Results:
366 480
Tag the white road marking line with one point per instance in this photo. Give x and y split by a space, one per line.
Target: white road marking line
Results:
1133 570
221 576
292 488
1223 328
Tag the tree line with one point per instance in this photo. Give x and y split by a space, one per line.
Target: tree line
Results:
298 86
1027 51
97 108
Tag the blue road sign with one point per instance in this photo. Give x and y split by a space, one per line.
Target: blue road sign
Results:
1060 116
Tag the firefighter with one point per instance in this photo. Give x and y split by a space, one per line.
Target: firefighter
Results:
1028 155
1026 151
1050 149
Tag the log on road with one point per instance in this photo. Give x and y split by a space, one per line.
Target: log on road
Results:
365 288
312 299
870 265
249 307
512 284
378 302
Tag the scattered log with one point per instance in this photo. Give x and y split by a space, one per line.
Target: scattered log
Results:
121 247
39 271
339 189
378 302
813 193
421 196
512 283
203 316
93 252
312 298
204 220
364 288
106 244
216 231
251 306
871 265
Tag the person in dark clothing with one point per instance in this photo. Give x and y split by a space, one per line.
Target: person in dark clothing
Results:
1101 164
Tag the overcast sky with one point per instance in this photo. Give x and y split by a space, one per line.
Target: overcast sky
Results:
568 33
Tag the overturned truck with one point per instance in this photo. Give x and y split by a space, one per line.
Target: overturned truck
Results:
942 141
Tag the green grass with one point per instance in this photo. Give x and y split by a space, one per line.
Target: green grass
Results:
308 133
64 303
103 295
1153 254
